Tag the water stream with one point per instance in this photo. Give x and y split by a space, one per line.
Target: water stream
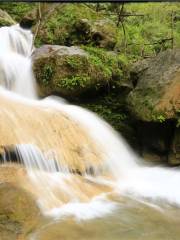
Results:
87 182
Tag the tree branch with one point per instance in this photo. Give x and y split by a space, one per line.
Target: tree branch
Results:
38 24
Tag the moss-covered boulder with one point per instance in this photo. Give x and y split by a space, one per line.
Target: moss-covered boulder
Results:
156 93
5 19
18 212
74 72
155 103
75 24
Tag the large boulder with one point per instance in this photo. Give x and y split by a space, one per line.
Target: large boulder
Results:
155 103
101 33
5 19
156 93
73 72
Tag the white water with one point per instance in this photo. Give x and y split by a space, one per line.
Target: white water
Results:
15 62
130 175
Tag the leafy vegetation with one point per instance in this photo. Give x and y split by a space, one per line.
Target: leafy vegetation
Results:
47 74
17 10
148 27
73 82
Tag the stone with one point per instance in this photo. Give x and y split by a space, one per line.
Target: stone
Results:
73 72
104 34
155 139
18 212
156 93
174 155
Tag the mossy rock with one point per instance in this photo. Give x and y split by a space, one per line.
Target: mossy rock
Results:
5 19
156 93
76 24
16 9
18 212
72 72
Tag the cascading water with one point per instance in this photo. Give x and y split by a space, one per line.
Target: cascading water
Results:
15 63
75 161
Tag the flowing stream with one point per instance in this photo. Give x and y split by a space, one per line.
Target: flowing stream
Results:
86 180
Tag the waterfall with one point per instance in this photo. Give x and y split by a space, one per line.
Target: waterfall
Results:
15 62
74 160
17 40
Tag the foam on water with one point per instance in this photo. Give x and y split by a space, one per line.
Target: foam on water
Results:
97 207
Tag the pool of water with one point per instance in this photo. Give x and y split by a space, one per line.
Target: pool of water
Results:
131 220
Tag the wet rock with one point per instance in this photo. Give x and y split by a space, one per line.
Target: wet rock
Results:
18 212
5 19
174 156
156 93
155 140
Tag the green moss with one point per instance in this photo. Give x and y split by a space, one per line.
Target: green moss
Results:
109 63
59 27
178 123
72 82
17 10
159 118
4 22
142 103
74 62
47 74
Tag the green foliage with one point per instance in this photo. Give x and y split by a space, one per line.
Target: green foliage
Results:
5 22
17 10
178 118
47 74
74 62
143 31
110 64
178 123
73 82
111 108
59 27
114 118
159 118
